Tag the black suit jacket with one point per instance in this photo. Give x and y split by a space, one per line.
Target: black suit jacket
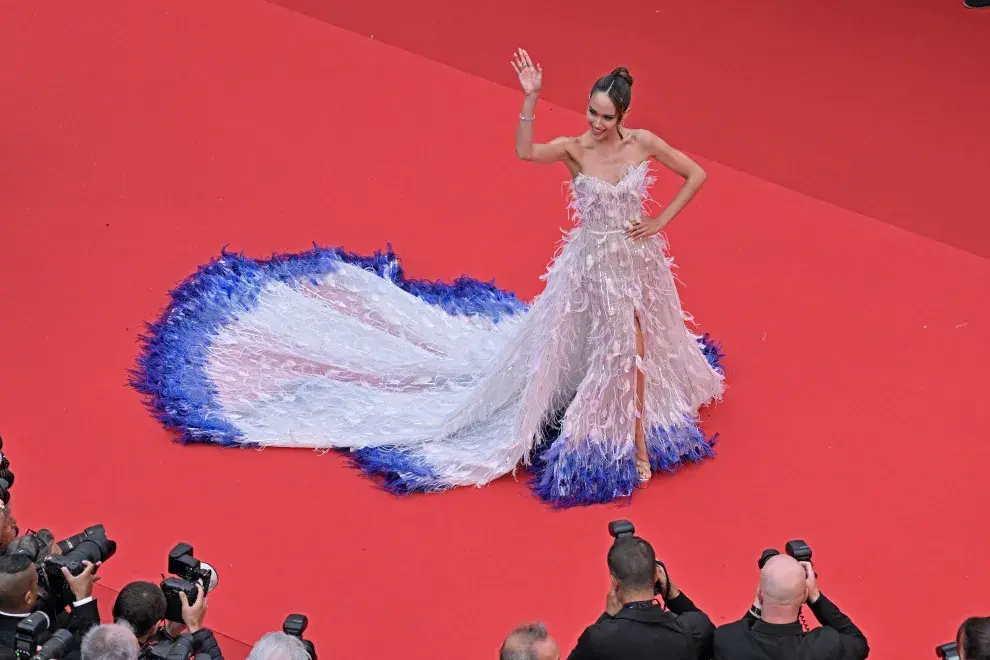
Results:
683 633
753 639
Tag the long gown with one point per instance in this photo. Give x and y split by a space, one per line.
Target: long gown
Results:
434 385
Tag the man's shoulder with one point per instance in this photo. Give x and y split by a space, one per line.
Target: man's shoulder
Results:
734 627
627 620
609 625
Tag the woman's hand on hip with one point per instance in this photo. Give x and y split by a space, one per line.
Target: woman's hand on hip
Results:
644 228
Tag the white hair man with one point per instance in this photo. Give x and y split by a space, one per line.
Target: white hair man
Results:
279 646
112 641
529 642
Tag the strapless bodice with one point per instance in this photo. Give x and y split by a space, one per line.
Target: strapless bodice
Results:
602 206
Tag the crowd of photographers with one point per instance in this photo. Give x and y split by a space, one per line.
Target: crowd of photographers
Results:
48 610
647 617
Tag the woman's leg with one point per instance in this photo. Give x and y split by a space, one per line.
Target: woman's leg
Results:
642 456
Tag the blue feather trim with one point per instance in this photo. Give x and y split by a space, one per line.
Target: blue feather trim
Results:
171 372
171 366
712 352
568 474
403 472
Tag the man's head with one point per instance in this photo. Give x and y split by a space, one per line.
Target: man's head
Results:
974 638
110 642
632 564
279 646
783 589
18 584
142 606
529 642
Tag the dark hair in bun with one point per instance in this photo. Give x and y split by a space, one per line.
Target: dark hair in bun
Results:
617 85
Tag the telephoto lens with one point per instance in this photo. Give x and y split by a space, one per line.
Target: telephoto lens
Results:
91 545
57 646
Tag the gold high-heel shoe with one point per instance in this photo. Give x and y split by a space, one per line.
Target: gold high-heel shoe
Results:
643 473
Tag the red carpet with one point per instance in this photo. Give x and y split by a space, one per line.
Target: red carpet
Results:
877 106
139 139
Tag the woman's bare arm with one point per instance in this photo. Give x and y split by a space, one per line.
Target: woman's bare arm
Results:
678 162
531 81
554 151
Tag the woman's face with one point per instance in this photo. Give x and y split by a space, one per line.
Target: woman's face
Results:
602 115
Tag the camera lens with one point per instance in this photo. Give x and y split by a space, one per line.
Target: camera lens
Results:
95 551
92 545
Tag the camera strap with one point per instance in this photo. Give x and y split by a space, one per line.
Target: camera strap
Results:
643 605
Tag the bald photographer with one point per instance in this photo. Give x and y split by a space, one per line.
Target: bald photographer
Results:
773 627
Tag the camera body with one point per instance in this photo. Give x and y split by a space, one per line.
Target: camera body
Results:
189 572
180 648
34 544
295 625
91 545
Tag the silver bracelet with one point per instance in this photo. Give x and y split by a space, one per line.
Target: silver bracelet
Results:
525 118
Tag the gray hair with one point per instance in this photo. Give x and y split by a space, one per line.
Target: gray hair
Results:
521 642
113 641
279 646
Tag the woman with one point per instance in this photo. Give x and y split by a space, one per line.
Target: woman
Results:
436 385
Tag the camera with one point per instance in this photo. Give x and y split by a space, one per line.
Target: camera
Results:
622 529
37 546
6 476
799 550
180 649
34 544
31 630
948 651
91 545
189 572
295 625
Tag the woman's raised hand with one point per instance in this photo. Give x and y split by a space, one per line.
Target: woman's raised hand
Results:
530 76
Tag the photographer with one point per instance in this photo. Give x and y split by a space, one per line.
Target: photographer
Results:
634 625
142 605
527 642
772 629
110 642
19 597
973 639
279 646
